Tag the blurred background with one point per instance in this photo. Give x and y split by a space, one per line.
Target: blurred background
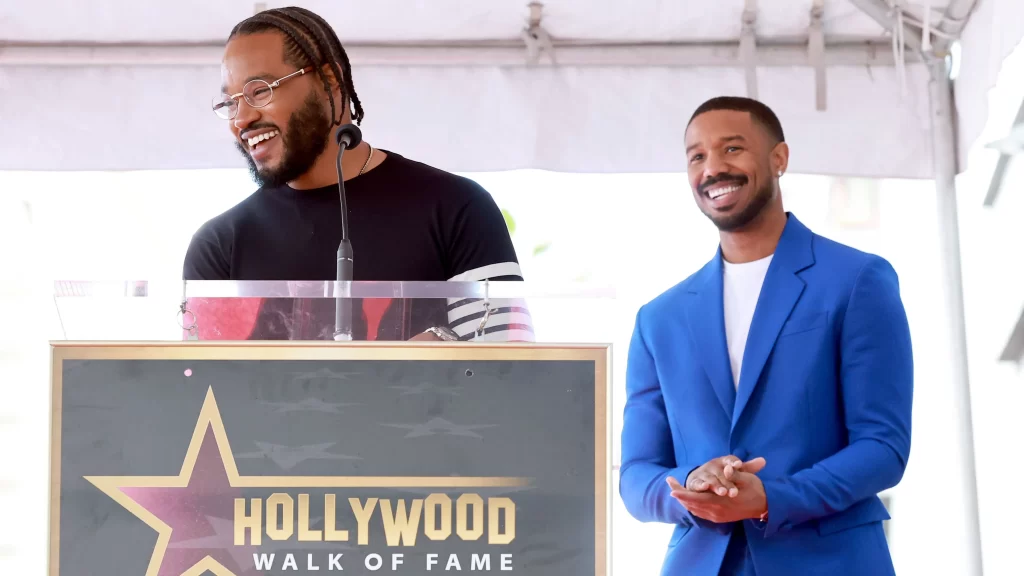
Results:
571 114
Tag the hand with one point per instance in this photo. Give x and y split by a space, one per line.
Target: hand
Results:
437 334
750 501
717 476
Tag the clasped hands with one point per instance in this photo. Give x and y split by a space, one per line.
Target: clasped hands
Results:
724 490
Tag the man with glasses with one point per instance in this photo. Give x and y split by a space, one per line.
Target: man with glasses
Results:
287 84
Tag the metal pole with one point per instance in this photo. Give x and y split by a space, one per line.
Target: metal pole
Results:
488 54
945 160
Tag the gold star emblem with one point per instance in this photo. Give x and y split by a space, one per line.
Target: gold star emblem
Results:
178 507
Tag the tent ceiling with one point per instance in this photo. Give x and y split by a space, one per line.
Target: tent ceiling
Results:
403 20
450 82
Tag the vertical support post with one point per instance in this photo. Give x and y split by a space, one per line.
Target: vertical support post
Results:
945 161
816 53
748 46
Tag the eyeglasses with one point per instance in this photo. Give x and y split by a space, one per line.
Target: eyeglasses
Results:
257 93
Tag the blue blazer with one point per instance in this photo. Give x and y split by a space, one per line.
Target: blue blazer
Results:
825 396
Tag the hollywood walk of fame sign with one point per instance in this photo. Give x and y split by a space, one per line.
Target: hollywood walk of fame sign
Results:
267 458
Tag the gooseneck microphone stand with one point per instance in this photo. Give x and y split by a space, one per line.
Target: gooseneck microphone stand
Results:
348 137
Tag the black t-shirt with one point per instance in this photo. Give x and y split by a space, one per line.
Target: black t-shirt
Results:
407 222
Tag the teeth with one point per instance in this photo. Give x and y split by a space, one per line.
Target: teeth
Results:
719 192
265 136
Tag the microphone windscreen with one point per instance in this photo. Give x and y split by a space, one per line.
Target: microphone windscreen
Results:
348 135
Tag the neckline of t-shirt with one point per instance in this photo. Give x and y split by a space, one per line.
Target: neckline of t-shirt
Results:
752 265
358 180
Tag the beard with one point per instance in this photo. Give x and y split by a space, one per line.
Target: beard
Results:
732 222
303 142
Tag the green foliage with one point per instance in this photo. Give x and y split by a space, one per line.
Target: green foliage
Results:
509 221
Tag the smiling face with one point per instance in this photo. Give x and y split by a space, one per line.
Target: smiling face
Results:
733 164
281 140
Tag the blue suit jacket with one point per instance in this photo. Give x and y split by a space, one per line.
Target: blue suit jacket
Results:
825 396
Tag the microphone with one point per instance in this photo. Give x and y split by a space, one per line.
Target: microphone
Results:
347 136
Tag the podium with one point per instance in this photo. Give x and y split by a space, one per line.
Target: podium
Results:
218 428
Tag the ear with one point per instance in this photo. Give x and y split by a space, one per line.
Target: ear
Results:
335 83
338 89
780 159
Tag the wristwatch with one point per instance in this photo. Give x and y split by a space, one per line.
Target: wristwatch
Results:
444 333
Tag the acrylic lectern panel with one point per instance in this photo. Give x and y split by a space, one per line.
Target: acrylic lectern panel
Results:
298 310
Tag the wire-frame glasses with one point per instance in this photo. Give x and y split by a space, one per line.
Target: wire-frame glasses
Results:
257 93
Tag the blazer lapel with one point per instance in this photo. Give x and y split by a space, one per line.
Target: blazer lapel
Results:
779 294
706 322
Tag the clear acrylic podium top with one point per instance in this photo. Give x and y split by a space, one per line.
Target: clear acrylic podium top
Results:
305 310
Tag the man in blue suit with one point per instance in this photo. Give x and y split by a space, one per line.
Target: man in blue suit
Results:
769 394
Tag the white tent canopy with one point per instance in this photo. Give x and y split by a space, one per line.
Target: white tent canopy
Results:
862 88
592 86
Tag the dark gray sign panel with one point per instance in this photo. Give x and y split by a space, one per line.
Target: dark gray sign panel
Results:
310 458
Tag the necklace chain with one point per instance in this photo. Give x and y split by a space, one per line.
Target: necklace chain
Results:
367 163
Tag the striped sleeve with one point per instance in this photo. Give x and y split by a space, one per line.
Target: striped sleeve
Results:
509 319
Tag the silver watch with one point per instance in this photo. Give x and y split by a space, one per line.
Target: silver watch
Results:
444 333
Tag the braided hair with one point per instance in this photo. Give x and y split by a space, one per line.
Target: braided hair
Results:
309 41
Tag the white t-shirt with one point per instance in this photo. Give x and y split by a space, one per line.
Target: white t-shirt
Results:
741 286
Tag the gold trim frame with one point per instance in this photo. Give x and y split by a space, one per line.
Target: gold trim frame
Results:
599 355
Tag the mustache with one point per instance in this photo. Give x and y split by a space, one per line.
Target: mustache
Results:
244 134
735 178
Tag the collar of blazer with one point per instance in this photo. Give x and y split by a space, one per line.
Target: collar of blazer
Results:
779 294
